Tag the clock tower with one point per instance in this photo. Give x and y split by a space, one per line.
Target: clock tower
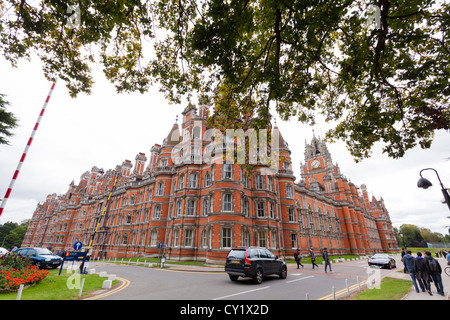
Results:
318 171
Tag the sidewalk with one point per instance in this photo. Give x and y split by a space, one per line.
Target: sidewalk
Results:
413 295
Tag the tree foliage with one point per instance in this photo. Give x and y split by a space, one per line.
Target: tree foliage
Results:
385 81
12 234
7 121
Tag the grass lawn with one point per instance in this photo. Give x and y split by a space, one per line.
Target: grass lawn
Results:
390 289
55 287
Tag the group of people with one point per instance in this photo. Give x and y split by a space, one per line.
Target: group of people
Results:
298 257
423 270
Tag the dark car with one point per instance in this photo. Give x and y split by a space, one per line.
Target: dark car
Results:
253 262
382 260
41 257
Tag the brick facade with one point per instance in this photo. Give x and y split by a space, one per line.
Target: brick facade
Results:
200 207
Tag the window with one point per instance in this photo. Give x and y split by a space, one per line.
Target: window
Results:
227 202
193 179
260 210
227 171
294 243
154 238
157 212
274 239
291 213
160 188
207 179
289 193
125 238
190 207
205 238
259 182
205 206
178 208
163 163
270 182
188 237
272 210
181 181
262 238
176 238
246 208
246 240
129 219
226 238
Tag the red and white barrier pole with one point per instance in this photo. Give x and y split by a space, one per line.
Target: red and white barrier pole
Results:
27 147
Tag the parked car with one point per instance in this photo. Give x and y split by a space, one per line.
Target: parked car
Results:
41 257
253 262
3 251
382 260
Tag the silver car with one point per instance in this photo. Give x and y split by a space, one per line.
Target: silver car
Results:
382 260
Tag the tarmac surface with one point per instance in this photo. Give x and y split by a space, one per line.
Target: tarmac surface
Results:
340 269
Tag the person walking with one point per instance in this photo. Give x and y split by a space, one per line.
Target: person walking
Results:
408 260
404 266
435 272
298 257
422 273
313 258
326 259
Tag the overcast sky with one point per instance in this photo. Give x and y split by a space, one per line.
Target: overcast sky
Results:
105 128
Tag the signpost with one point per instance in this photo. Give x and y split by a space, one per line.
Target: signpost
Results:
72 256
160 246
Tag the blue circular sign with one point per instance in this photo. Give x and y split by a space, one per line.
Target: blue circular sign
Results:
77 245
160 245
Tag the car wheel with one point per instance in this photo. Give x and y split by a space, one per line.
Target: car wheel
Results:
283 273
258 276
233 277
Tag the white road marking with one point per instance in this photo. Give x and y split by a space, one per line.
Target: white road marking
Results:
244 292
300 279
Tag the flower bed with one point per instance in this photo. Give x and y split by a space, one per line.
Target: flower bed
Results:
16 270
12 279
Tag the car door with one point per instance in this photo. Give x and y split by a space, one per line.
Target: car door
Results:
265 261
272 262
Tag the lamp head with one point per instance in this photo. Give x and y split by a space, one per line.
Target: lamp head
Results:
424 183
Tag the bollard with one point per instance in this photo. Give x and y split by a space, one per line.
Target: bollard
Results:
346 285
359 285
19 293
307 296
81 287
333 290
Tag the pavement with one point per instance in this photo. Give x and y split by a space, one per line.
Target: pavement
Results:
344 269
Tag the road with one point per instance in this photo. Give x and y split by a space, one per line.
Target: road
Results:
142 283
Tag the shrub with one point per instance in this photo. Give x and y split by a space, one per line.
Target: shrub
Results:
13 261
16 270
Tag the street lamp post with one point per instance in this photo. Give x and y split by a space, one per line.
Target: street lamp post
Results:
425 184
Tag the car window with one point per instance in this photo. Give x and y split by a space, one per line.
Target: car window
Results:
22 252
262 253
253 253
270 254
237 254
43 251
31 252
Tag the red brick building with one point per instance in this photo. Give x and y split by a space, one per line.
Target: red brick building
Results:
199 206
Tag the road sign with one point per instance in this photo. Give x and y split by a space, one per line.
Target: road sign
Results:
74 256
160 245
77 245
